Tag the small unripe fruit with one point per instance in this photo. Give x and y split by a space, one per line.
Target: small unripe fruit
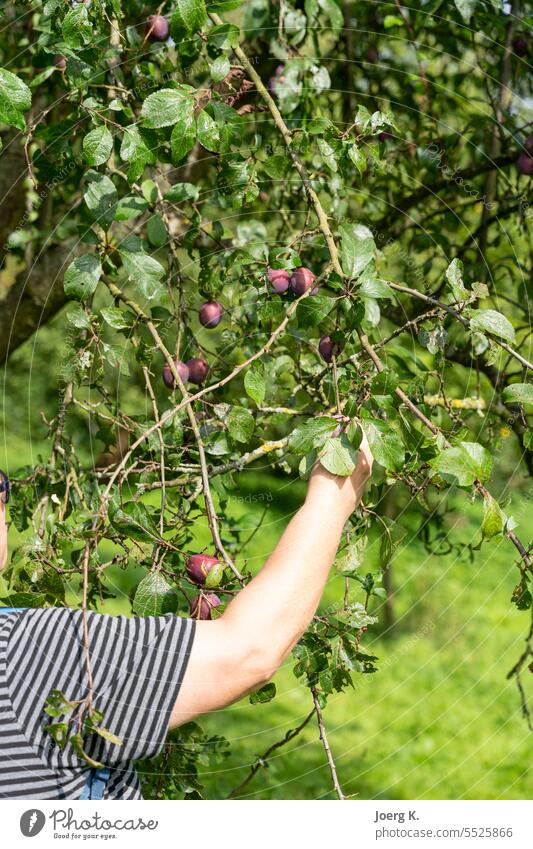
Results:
326 348
210 314
525 164
301 280
521 46
279 280
157 28
60 62
199 566
168 377
198 369
202 606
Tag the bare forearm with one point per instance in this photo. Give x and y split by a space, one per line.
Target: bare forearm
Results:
278 604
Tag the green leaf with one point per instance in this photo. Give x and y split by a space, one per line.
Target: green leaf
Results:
358 158
454 276
493 322
311 434
154 596
254 384
107 735
183 137
114 317
265 694
182 191
156 231
15 98
385 443
313 310
189 15
466 8
357 248
520 393
145 272
352 557
76 28
220 68
130 207
464 463
338 456
101 198
97 146
241 424
328 154
493 518
207 131
167 106
82 276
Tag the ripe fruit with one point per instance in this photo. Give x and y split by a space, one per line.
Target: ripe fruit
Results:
198 369
60 62
168 377
210 314
384 136
326 348
521 46
157 28
199 566
372 55
301 280
279 280
525 164
203 604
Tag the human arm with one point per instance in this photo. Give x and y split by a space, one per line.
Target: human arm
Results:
244 647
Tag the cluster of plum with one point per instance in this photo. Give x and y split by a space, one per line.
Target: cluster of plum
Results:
195 369
206 571
299 282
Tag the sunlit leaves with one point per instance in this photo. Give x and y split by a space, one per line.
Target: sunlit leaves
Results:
97 146
493 322
518 393
145 272
154 596
82 276
357 248
167 107
15 99
463 464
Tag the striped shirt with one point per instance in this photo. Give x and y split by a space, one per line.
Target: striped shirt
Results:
137 664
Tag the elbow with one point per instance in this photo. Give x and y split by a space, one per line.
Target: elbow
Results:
260 664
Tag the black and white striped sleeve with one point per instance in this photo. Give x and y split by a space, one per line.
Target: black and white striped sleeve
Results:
137 664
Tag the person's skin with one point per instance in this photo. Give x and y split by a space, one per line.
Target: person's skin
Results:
242 649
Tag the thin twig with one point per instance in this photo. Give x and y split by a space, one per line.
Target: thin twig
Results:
325 743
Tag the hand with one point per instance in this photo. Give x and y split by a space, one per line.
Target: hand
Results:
342 492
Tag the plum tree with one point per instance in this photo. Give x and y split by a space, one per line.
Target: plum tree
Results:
148 178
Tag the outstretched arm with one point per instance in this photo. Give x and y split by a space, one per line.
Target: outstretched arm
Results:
242 650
